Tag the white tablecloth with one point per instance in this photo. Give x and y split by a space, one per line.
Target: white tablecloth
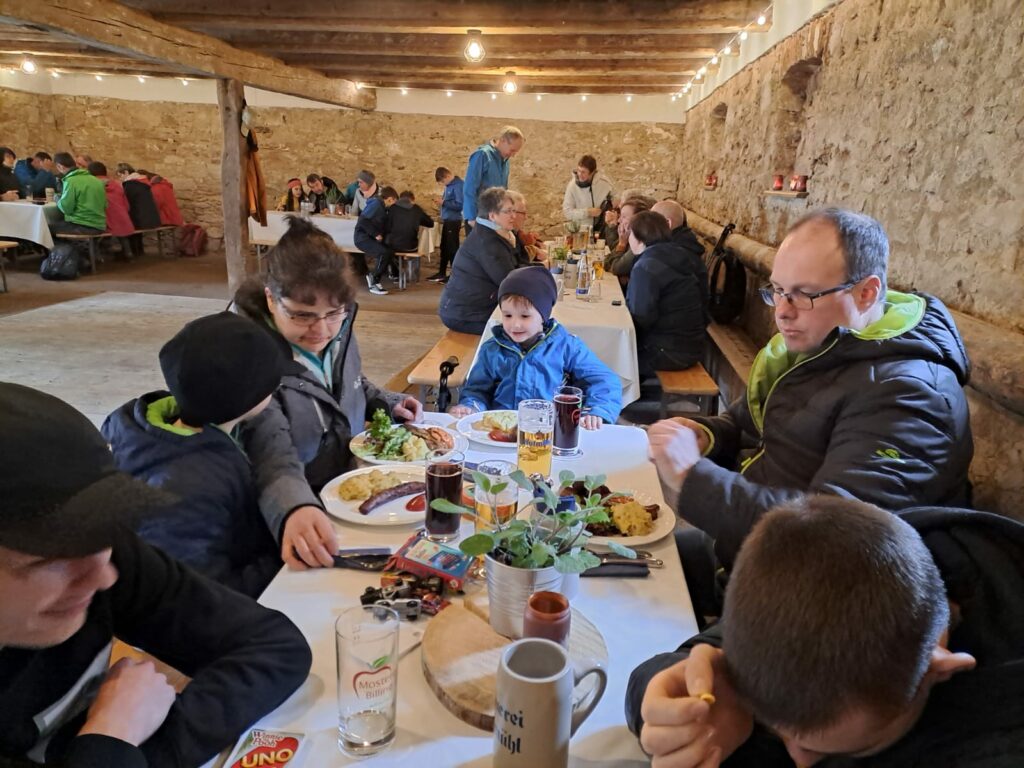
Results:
340 228
28 221
638 618
607 330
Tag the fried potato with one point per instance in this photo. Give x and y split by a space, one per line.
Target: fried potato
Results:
632 519
364 486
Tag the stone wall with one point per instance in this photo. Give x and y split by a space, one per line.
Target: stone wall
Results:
183 142
910 112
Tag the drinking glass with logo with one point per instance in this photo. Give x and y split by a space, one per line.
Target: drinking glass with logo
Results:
536 431
497 506
568 403
367 646
444 481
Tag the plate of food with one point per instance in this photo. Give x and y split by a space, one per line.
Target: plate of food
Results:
391 494
635 518
497 429
387 443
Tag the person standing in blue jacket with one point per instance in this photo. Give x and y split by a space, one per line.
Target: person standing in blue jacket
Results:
531 355
488 167
451 220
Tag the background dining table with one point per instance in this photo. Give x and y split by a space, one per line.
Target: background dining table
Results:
340 228
638 617
25 220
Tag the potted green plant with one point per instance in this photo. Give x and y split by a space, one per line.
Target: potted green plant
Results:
534 551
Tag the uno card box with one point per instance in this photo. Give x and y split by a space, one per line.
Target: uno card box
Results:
267 749
424 557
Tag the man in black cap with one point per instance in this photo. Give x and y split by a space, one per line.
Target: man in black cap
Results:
72 577
221 370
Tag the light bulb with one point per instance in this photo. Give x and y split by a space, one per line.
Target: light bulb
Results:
405 91
28 67
583 97
99 77
494 96
510 86
698 76
673 97
629 98
744 35
142 79
702 70
448 94
359 86
474 50
538 97
761 20
55 74
727 50
714 59
184 81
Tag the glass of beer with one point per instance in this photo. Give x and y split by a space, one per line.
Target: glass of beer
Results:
536 433
444 481
496 507
568 402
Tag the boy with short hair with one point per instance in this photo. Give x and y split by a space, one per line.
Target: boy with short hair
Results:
403 224
531 355
369 236
451 221
220 370
852 636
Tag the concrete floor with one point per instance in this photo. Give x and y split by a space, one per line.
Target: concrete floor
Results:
94 341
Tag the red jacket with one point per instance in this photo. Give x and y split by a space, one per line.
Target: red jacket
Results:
119 222
163 193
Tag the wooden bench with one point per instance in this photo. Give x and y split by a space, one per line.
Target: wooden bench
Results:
93 240
406 261
427 372
730 359
692 383
159 232
4 246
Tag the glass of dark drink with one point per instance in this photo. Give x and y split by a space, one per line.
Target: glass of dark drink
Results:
444 481
568 402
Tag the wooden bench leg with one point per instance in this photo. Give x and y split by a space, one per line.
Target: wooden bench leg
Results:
160 243
92 254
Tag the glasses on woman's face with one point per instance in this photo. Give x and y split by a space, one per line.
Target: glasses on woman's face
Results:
334 317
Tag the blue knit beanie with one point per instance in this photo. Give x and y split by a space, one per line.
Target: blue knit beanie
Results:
535 283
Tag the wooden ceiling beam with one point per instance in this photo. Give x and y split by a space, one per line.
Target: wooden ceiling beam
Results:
490 16
374 67
528 91
121 30
579 83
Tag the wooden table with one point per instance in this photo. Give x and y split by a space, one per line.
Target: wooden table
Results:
340 228
638 617
25 220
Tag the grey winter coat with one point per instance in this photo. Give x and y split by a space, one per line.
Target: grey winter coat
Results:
880 416
300 441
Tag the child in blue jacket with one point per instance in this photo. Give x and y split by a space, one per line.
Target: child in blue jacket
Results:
531 355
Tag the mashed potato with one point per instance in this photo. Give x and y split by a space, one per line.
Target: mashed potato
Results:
632 519
362 487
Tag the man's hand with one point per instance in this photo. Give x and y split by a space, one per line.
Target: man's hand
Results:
611 217
590 421
10 195
684 731
410 409
674 450
132 702
458 411
309 540
592 212
702 436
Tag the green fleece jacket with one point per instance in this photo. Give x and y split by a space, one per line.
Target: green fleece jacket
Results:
83 200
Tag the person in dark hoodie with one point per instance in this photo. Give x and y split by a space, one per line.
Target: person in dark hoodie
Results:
851 637
11 187
371 229
141 204
664 299
684 237
221 370
306 300
402 232
73 576
860 394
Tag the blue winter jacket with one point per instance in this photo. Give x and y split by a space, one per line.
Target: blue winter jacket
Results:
503 375
371 222
216 528
487 168
451 203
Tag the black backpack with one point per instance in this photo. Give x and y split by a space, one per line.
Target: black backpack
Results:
727 282
61 264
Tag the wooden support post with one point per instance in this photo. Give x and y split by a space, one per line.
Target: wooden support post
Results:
234 199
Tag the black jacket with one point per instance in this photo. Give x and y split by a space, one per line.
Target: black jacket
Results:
683 237
141 204
664 299
217 527
974 720
404 220
244 661
9 182
371 223
883 420
481 263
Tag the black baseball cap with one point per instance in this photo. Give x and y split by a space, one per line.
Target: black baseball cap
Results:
60 493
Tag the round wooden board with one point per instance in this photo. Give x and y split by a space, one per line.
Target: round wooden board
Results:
461 654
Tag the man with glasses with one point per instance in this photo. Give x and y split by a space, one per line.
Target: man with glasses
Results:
860 394
489 167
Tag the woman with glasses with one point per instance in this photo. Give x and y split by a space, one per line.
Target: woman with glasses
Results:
483 260
306 300
664 299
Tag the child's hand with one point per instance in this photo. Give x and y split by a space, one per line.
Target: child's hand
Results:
590 421
458 411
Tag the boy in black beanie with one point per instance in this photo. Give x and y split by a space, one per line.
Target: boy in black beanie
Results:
220 370
531 355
